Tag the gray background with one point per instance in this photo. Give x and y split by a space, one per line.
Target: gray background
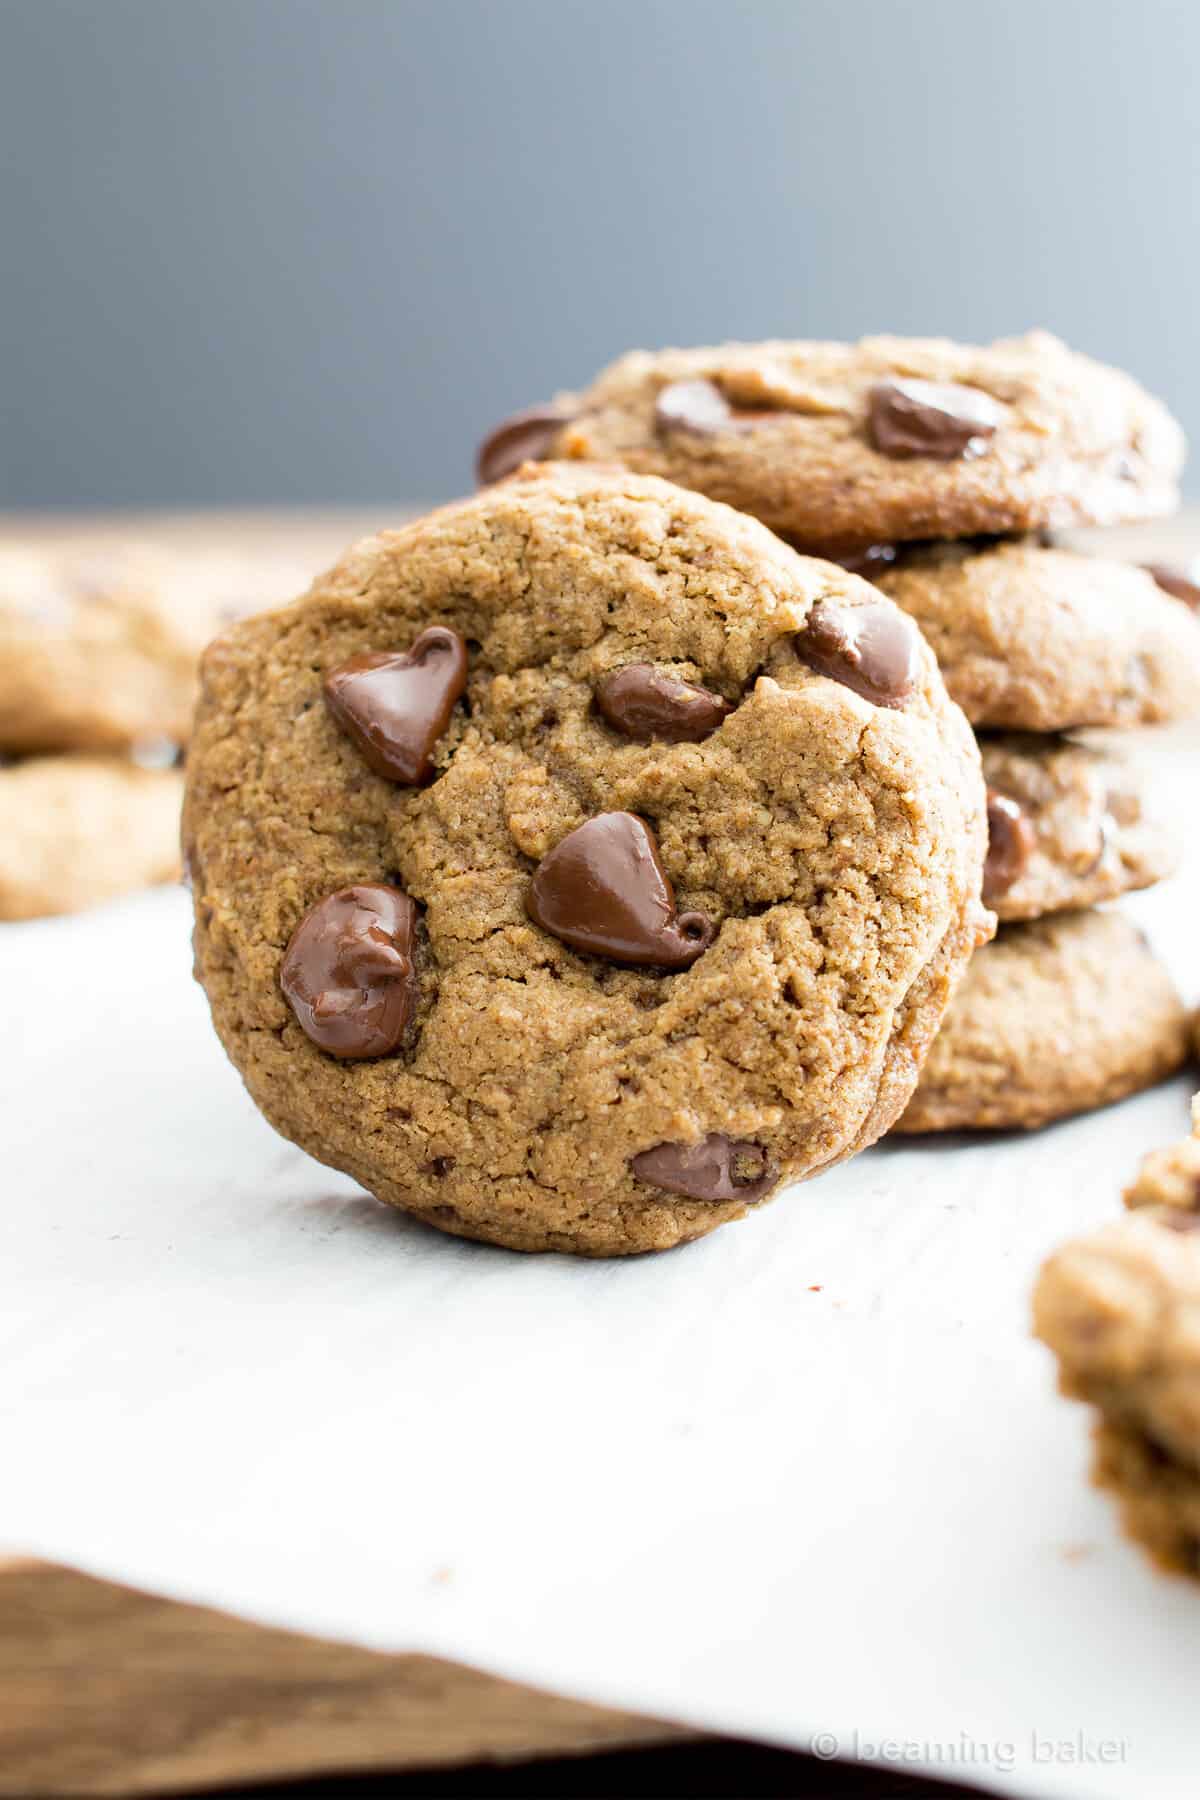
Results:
297 250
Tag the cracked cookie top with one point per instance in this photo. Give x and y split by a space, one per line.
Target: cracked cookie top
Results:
579 863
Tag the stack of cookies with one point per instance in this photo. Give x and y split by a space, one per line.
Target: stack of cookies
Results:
937 471
99 648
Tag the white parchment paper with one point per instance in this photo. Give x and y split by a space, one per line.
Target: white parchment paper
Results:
809 1476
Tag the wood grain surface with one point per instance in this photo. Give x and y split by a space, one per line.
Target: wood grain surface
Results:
107 1690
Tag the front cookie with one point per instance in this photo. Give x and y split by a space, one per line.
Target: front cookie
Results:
579 864
1053 1018
886 440
1067 827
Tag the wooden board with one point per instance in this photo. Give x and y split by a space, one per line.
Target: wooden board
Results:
107 1690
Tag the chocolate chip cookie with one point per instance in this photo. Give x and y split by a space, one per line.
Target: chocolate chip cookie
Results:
1119 1308
99 648
1067 827
1055 1017
79 830
579 864
885 440
1037 639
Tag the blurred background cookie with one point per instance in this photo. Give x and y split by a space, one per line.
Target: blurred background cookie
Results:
76 830
99 646
102 625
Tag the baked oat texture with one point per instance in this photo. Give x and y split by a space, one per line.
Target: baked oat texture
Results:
1055 1017
1091 834
789 437
1035 639
79 830
99 647
836 845
1120 1309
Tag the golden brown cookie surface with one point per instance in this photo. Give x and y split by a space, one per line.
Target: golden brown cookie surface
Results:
649 974
1054 1017
1035 639
888 439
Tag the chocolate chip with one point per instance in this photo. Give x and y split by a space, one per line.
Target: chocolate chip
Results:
872 649
603 890
523 437
348 971
868 560
396 705
1011 841
1174 581
1179 1219
717 1168
931 418
696 406
645 702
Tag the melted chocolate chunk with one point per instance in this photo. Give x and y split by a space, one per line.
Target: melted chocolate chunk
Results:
695 406
717 1168
931 418
1011 841
867 560
603 890
645 703
523 437
396 705
348 972
872 649
1175 581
